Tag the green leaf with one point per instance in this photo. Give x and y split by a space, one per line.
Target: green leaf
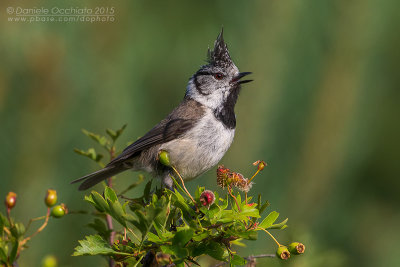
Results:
198 192
249 235
115 134
161 219
90 153
98 201
182 236
211 248
147 189
200 236
18 230
145 219
225 203
269 220
175 250
153 238
249 211
187 212
237 260
101 140
117 212
281 225
3 255
263 207
109 194
95 245
14 251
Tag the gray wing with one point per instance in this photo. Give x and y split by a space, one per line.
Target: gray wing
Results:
182 119
161 133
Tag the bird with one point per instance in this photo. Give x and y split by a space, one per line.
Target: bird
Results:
196 134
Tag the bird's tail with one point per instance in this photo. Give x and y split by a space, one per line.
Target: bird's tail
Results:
98 176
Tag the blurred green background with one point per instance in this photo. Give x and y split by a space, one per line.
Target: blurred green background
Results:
323 112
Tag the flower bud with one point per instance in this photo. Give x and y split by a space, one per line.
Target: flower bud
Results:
297 248
207 198
163 157
283 253
261 164
51 198
11 200
59 211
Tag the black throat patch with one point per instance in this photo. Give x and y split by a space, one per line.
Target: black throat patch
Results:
226 112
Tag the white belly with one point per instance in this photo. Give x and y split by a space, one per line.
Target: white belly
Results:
201 148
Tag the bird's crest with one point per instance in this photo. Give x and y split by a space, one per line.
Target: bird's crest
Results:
220 55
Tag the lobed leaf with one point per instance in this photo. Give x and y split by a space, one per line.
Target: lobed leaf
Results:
94 245
269 220
101 140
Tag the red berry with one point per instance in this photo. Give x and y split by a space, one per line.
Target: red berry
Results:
207 198
11 200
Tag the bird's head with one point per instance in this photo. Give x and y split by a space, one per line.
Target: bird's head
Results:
218 81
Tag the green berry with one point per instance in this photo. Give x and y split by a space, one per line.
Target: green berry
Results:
51 198
163 157
49 261
58 211
283 253
11 200
296 248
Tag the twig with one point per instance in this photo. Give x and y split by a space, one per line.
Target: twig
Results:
32 220
23 242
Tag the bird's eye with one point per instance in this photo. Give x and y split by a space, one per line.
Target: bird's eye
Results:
218 76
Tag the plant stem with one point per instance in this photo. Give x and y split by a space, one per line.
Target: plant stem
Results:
23 242
254 175
276 241
183 184
9 217
111 262
230 193
32 220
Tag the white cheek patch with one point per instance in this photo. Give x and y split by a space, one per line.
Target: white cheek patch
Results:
212 100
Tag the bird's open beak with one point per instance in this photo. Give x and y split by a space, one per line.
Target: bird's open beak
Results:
239 76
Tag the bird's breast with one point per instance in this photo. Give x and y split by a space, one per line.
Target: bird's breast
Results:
200 148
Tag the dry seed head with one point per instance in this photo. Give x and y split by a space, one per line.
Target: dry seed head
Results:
226 177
